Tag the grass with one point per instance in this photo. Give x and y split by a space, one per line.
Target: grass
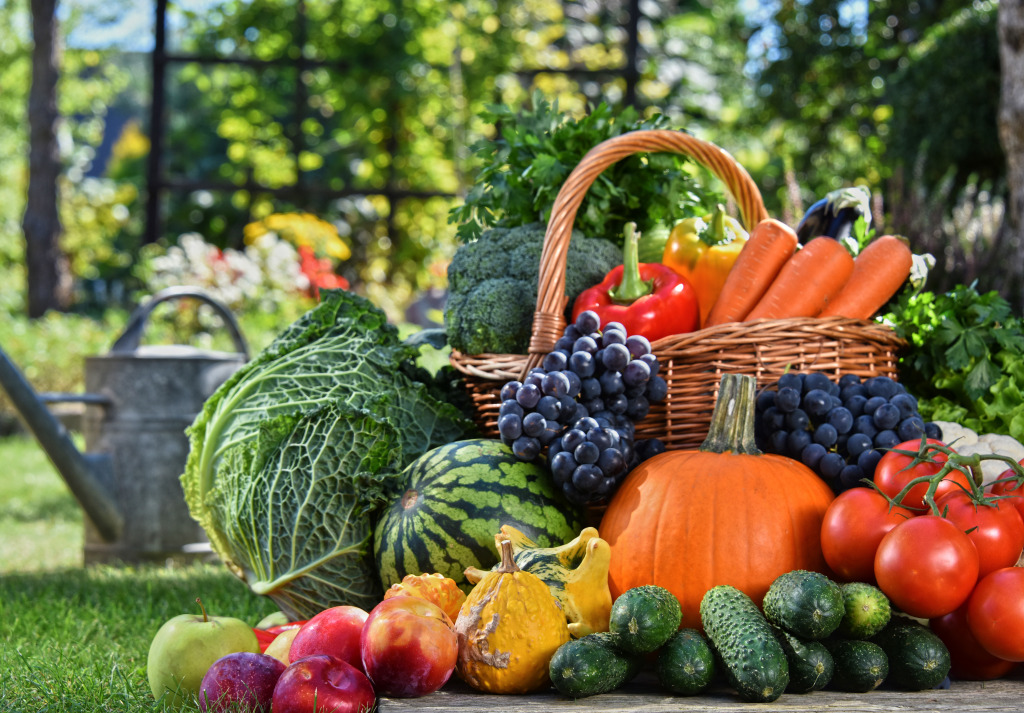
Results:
76 638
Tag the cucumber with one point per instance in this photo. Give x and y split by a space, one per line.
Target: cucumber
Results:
860 666
754 661
810 663
686 663
590 665
645 617
918 659
866 611
808 605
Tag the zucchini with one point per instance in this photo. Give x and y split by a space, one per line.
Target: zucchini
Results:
753 659
590 665
810 663
918 659
645 617
808 605
686 663
866 611
860 666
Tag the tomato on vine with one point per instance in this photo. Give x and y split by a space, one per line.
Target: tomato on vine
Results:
854 523
927 566
1009 488
899 466
995 613
995 527
969 661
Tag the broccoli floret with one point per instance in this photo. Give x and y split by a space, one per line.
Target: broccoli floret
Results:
496 316
492 285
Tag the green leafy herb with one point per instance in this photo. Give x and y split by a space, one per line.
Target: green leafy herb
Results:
536 150
965 360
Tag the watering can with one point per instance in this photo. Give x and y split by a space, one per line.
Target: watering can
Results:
138 402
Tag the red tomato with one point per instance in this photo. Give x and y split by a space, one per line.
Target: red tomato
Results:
895 470
853 525
1009 488
926 566
996 530
968 660
995 613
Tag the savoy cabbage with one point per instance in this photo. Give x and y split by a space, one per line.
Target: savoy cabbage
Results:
291 457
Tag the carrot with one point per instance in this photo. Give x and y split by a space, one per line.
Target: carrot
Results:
807 282
878 272
770 245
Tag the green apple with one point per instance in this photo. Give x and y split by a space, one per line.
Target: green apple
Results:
186 646
276 619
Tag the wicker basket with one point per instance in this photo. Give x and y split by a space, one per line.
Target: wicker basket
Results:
693 363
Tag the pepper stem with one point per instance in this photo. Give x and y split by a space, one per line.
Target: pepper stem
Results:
732 421
632 287
715 233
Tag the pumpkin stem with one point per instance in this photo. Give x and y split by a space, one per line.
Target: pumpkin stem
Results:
508 564
732 422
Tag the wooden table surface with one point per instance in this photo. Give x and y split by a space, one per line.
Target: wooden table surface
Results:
644 694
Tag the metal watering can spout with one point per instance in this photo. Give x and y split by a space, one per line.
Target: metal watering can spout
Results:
85 474
139 402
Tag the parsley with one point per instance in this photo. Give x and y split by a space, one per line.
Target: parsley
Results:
536 149
965 360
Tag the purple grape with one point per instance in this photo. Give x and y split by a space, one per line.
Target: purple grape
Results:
587 321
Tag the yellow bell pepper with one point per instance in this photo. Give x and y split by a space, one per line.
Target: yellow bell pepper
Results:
703 251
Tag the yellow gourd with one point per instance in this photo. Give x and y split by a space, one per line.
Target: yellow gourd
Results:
576 574
508 629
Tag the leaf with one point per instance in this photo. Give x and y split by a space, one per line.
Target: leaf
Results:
980 378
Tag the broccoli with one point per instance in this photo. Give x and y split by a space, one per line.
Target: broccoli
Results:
492 286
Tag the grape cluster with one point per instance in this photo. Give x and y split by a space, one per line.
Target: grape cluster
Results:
580 406
838 430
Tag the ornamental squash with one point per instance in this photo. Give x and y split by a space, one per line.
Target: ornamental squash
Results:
434 587
723 514
508 629
576 573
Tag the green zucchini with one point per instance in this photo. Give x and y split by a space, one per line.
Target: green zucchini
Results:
866 611
810 663
806 604
686 663
860 666
918 659
645 617
590 665
754 661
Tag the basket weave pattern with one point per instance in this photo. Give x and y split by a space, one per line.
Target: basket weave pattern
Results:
692 364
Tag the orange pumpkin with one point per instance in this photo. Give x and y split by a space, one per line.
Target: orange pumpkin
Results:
723 514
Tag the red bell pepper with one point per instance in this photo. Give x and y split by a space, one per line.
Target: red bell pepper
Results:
649 299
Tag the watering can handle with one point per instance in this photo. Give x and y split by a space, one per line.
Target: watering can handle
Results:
129 340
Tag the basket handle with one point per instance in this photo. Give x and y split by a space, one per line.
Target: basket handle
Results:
548 320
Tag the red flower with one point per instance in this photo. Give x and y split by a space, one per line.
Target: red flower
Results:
320 272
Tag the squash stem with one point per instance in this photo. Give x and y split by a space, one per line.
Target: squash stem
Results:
508 564
732 421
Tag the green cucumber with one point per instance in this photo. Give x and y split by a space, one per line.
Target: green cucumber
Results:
918 659
866 611
686 663
810 663
645 617
590 665
860 666
754 661
806 604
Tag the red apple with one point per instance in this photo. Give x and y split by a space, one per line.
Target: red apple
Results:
333 631
409 647
323 684
240 681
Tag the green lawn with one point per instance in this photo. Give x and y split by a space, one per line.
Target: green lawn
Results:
76 638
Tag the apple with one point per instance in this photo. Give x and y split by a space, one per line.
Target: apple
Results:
333 631
322 683
242 681
281 645
185 647
409 647
275 619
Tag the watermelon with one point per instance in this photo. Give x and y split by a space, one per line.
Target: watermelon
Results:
456 499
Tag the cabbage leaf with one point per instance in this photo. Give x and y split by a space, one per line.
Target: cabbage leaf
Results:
291 457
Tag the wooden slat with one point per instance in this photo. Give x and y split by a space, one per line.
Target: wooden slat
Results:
644 694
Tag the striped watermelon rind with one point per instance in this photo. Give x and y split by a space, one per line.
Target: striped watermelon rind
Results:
456 499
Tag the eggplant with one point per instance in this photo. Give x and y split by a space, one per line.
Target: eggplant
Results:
835 214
